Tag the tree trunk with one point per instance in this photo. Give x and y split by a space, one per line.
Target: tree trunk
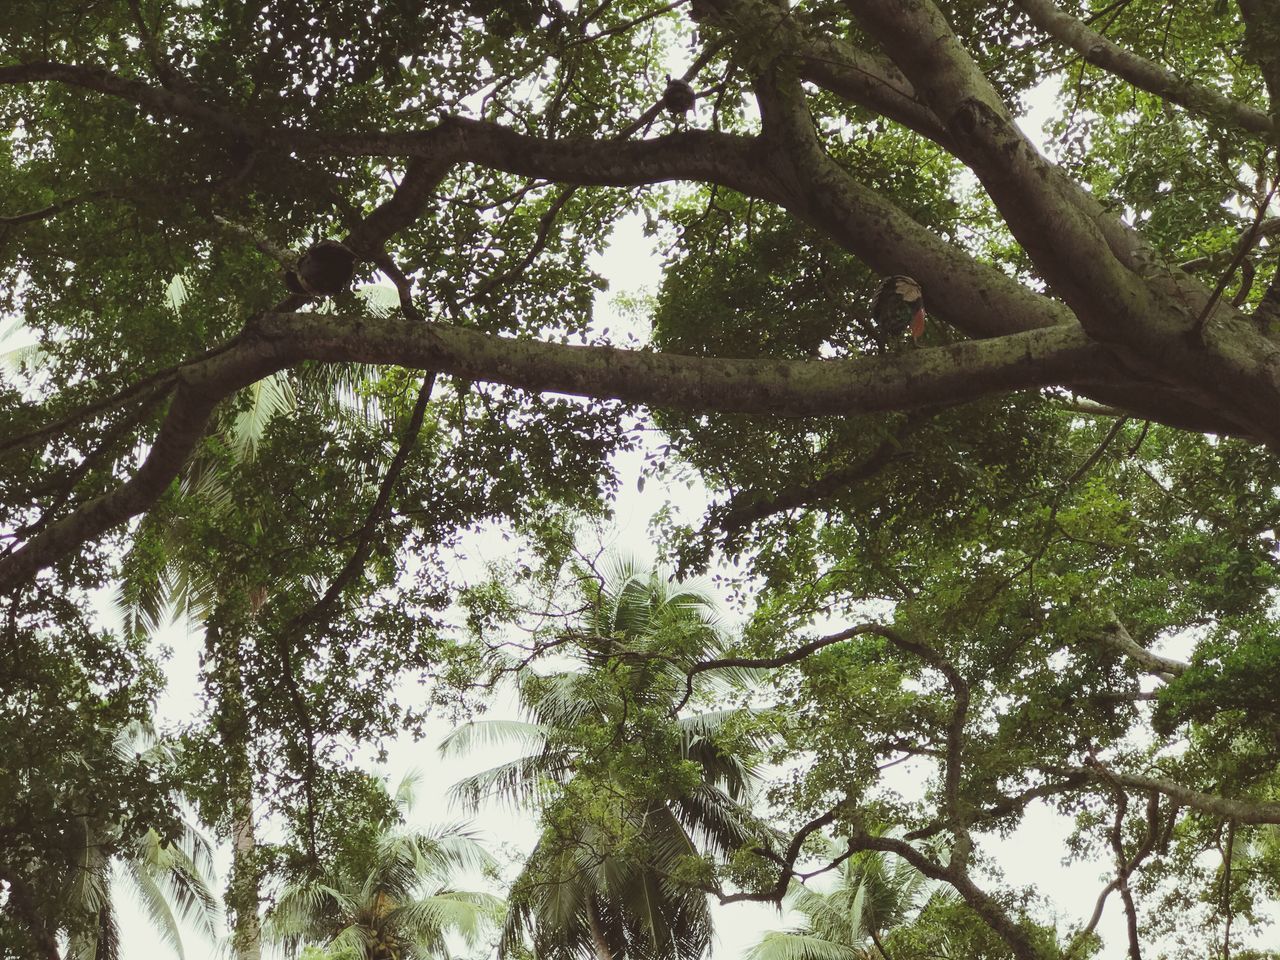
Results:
232 722
603 950
243 893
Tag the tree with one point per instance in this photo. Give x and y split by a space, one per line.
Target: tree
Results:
870 897
386 894
182 561
80 852
1011 522
172 880
880 908
631 795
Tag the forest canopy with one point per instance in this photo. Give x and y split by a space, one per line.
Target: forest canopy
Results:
297 297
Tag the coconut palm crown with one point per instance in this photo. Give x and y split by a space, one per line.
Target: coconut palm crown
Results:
634 797
873 894
388 897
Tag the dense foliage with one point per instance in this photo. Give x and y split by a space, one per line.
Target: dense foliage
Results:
1032 559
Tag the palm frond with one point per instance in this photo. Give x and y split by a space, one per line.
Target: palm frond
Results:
155 903
309 909
489 733
268 397
464 914
783 945
523 781
563 700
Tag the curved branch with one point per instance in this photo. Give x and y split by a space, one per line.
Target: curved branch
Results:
198 391
160 100
54 209
1143 73
1117 637
986 906
772 663
1243 811
944 375
741 511
787 861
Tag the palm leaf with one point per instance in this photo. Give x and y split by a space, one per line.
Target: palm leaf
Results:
489 733
464 914
268 397
781 945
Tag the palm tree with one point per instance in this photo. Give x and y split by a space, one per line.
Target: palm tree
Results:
871 896
172 880
170 572
605 879
387 898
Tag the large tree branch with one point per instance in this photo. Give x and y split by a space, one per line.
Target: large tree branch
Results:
944 375
1242 811
973 296
790 388
699 155
830 62
160 100
1067 246
1143 73
1130 299
199 389
1117 637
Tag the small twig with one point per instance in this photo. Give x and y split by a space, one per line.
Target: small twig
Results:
1242 251
55 208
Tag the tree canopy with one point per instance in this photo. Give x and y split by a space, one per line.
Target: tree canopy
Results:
1032 557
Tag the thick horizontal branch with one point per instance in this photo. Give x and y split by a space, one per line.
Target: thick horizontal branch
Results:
1242 811
1117 637
1143 73
944 375
157 99
788 388
729 160
707 156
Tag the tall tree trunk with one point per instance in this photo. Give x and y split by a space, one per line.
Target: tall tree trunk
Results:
603 951
243 892
232 722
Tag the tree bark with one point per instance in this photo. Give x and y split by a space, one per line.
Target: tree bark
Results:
601 945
